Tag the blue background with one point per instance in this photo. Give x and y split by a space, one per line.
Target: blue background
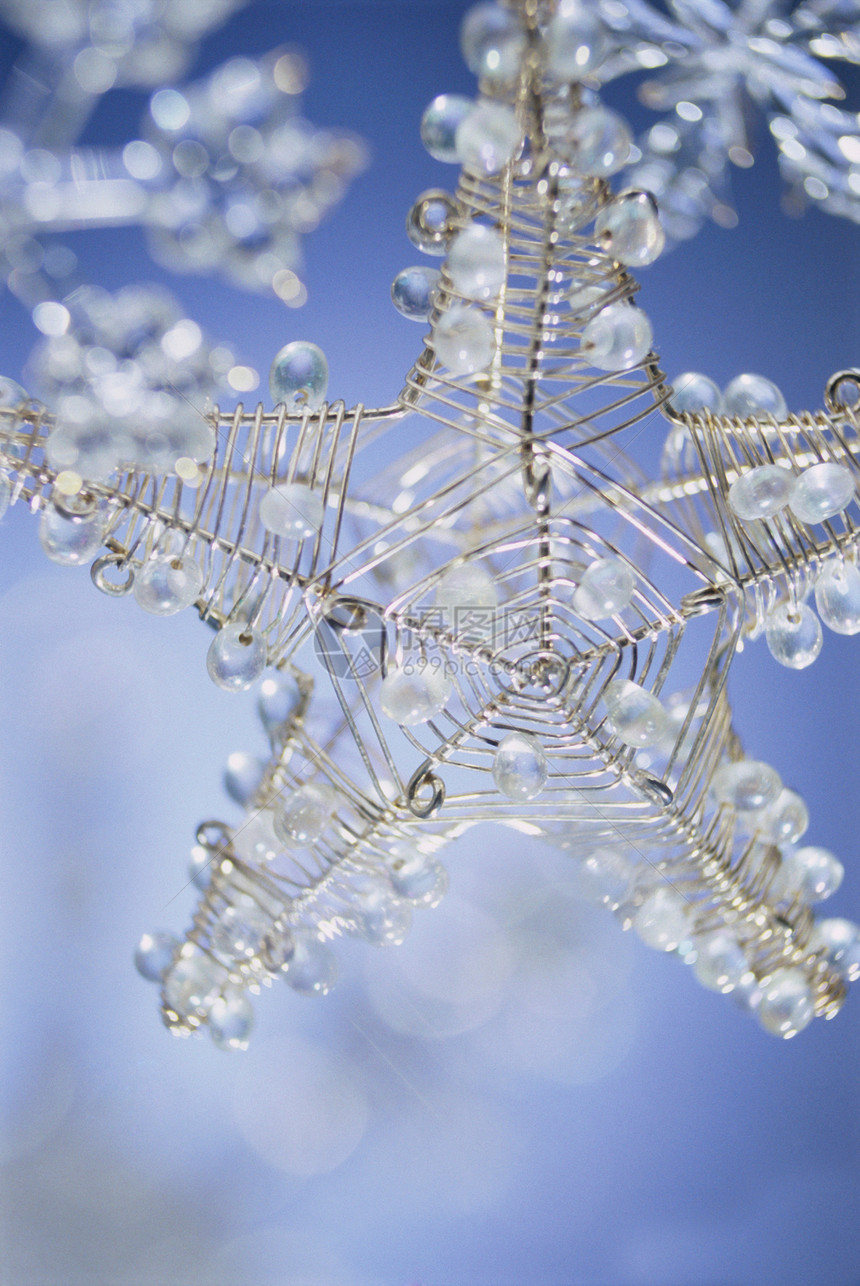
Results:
520 1094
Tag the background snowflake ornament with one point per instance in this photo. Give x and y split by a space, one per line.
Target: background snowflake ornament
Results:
713 67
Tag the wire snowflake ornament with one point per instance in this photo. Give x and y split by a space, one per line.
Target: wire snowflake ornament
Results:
473 605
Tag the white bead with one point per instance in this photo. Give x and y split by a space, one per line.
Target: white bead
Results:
493 42
692 393
761 492
635 715
312 970
821 492
299 376
746 785
413 292
815 873
488 138
793 635
618 338
238 932
720 963
784 821
576 42
597 142
520 768
68 542
292 510
168 583
200 867
463 340
236 657
661 921
422 880
230 1020
193 984
476 262
630 230
11 394
753 397
415 694
305 813
840 939
242 776
440 123
786 1005
605 877
154 955
837 596
605 590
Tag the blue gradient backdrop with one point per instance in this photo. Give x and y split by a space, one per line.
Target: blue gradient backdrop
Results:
521 1095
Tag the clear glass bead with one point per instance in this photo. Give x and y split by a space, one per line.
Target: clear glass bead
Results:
840 939
821 492
463 340
786 820
154 955
467 585
415 694
413 291
493 42
420 879
597 142
312 970
575 42
167 583
68 542
11 394
635 716
786 1005
299 376
255 840
231 1019
305 813
489 137
200 865
476 262
381 918
440 123
661 921
278 701
520 768
605 877
693 393
431 222
746 785
793 635
815 873
720 962
761 492
605 589
278 948
242 776
236 657
630 230
837 596
193 984
618 338
239 930
292 510
753 397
